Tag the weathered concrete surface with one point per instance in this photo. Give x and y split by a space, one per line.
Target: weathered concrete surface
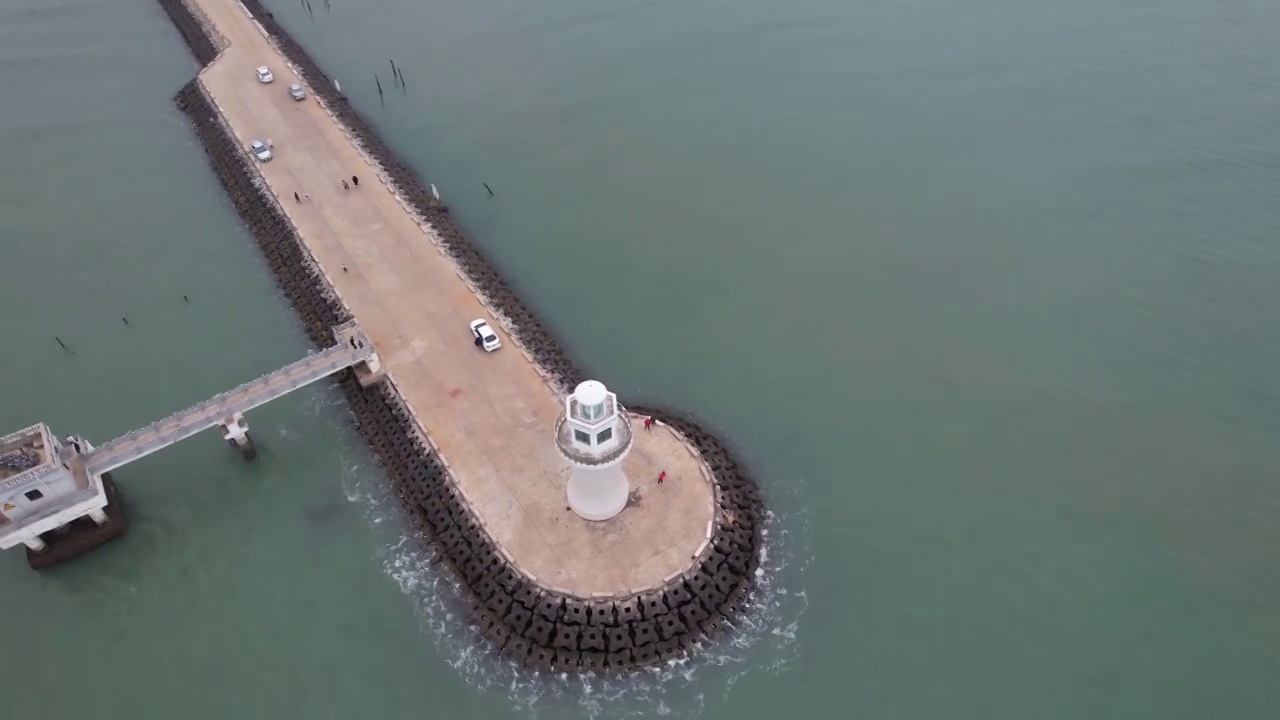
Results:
491 415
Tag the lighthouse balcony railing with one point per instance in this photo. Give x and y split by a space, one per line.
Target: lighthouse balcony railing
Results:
573 453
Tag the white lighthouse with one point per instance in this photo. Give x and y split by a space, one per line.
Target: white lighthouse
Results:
594 435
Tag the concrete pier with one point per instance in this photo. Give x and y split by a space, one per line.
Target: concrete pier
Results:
492 415
235 430
467 438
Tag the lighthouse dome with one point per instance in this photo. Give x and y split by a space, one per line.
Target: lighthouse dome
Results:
591 392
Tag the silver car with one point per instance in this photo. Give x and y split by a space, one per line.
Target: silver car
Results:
260 150
297 92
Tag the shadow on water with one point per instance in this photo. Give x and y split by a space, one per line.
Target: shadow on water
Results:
325 513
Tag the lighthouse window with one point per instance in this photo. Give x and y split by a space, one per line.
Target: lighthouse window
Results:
592 412
604 435
33 495
582 437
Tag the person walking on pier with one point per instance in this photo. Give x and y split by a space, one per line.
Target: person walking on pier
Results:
662 476
648 423
355 181
345 186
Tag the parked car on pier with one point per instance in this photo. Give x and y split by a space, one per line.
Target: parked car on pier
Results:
297 93
264 75
486 338
260 150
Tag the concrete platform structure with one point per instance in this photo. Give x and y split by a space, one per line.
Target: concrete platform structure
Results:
81 534
44 486
489 415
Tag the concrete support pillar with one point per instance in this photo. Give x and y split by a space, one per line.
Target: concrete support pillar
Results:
98 516
35 543
369 372
235 430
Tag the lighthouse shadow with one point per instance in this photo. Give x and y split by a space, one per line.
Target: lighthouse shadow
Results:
635 498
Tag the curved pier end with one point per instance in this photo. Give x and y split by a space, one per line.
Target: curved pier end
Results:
466 436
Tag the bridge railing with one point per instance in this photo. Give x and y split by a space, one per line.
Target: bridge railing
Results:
221 407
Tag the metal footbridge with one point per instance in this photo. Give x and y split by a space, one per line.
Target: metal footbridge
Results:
352 350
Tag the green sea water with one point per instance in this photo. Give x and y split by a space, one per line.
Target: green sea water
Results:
981 292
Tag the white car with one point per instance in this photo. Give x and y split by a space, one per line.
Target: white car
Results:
485 336
297 93
264 75
260 150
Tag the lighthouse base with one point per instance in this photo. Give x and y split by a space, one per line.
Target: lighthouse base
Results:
598 494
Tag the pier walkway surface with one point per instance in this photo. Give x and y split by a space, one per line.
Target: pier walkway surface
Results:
491 415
